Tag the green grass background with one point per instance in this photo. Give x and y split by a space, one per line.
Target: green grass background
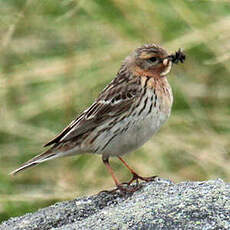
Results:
56 56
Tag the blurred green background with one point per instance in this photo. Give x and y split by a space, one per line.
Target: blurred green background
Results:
56 56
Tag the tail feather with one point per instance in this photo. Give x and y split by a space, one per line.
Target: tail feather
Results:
48 155
22 168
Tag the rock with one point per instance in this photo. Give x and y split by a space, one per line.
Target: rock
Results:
157 205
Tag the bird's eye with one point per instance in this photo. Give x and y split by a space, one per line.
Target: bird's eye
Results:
153 59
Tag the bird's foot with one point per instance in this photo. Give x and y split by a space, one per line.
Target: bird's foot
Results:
136 178
127 187
124 189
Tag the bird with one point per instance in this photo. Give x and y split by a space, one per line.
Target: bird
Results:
125 115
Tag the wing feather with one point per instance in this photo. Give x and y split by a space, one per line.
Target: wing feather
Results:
114 100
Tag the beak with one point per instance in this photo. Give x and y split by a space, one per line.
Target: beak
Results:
166 60
167 65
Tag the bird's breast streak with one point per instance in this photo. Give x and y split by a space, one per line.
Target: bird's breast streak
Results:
140 127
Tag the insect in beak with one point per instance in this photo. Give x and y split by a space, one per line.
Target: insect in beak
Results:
179 56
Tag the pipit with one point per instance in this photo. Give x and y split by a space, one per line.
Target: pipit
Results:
127 113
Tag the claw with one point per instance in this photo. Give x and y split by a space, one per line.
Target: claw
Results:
124 189
136 177
128 189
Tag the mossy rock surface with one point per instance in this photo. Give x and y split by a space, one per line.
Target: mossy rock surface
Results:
157 205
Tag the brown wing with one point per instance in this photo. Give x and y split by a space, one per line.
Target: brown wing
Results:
114 100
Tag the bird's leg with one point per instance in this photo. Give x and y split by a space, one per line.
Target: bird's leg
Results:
106 162
116 181
135 175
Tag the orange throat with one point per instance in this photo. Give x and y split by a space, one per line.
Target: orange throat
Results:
137 71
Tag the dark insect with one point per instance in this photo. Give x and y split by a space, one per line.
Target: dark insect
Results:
179 56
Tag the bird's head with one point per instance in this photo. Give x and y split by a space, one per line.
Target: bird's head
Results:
153 61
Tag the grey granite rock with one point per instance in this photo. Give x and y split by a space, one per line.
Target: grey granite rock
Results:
157 205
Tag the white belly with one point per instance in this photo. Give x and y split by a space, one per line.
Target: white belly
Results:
134 131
